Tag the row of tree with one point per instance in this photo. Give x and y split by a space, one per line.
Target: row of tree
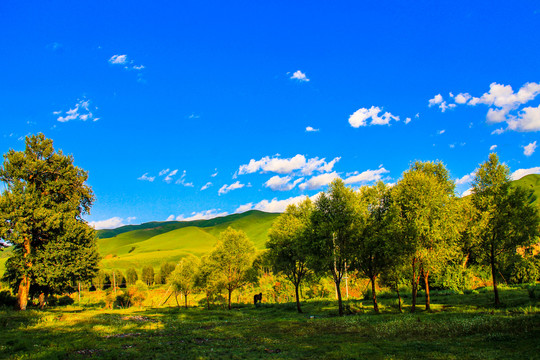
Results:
412 229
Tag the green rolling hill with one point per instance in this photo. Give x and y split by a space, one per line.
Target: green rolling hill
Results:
158 242
531 182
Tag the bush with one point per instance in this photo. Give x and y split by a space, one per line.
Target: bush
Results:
135 295
6 299
534 291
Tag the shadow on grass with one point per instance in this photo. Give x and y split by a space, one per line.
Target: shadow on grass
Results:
277 331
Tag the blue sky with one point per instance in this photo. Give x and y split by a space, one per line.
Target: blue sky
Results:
220 97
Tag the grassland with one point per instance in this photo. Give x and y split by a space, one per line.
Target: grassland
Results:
459 327
155 243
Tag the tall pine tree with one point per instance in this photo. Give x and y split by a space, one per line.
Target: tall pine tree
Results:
41 213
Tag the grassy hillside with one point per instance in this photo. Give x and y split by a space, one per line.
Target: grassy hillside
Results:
170 241
530 182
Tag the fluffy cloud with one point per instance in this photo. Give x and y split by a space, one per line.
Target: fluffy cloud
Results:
226 188
529 149
274 205
81 111
111 223
311 129
319 181
503 106
366 176
203 215
362 115
518 174
438 100
300 76
492 147
125 62
163 172
466 179
206 186
287 166
145 177
277 183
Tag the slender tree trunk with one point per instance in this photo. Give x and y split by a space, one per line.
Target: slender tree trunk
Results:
296 286
185 300
374 294
230 295
426 282
208 300
337 282
176 298
399 298
494 278
414 286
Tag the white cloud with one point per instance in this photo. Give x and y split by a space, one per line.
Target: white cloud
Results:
366 176
287 166
300 76
492 147
81 111
311 129
145 177
518 174
274 205
170 218
407 120
527 120
226 188
277 183
362 115
125 62
440 132
467 192
462 98
169 176
182 180
118 59
503 106
438 99
111 223
206 186
529 149
163 172
214 174
466 179
319 181
203 215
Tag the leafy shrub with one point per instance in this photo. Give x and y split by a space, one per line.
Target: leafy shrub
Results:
134 295
6 299
534 291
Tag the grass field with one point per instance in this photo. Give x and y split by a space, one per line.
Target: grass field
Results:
459 327
170 241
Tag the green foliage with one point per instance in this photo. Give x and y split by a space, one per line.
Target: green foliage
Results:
41 214
148 275
131 276
182 279
506 218
132 296
164 271
231 260
6 299
288 244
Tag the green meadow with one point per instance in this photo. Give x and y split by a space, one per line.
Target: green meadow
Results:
156 243
460 326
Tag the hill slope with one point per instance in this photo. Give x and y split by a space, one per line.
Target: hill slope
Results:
158 242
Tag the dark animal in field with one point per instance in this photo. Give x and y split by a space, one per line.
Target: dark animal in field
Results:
257 299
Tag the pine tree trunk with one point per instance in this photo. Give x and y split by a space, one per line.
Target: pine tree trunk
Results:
374 294
22 294
297 298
